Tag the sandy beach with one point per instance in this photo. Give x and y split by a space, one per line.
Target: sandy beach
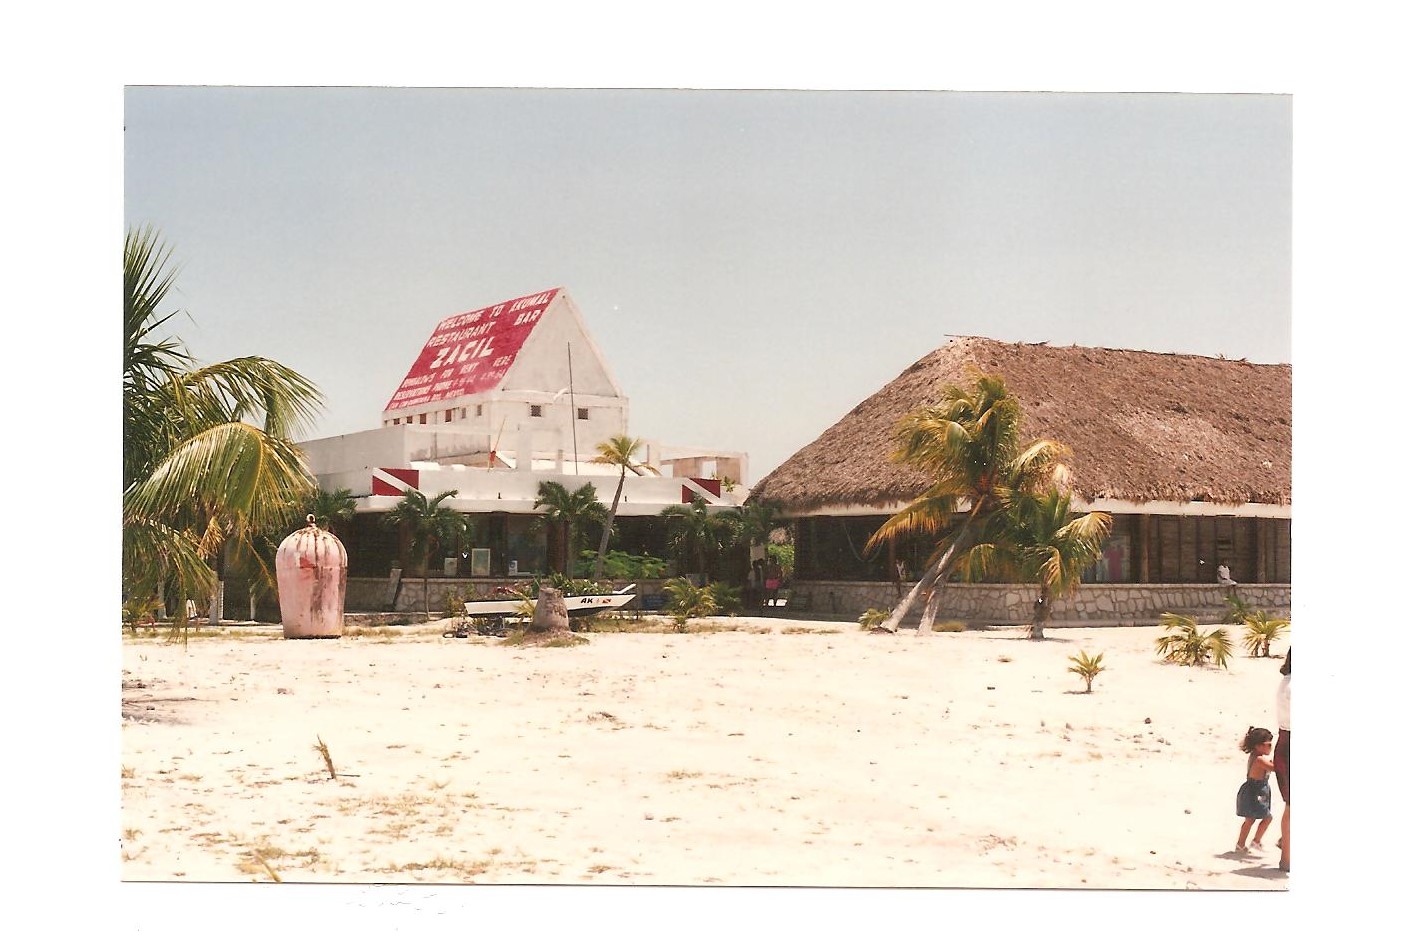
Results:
744 752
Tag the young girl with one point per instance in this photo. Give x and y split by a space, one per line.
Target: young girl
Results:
1253 800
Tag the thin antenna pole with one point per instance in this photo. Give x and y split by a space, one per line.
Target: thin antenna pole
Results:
573 414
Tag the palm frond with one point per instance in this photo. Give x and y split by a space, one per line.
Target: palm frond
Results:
156 554
281 400
235 471
930 513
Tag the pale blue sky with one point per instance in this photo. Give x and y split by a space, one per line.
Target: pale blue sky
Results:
753 264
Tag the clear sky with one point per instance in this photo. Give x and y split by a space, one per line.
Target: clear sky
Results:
753 264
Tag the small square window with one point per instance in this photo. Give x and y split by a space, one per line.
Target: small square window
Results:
463 413
422 418
479 410
536 411
449 415
408 419
583 414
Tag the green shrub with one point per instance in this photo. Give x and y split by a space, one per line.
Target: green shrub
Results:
1086 666
140 610
617 563
784 556
873 617
687 599
1237 610
727 597
455 601
568 586
1189 646
1262 631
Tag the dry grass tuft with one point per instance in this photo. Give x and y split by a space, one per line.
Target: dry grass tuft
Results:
325 753
681 775
544 640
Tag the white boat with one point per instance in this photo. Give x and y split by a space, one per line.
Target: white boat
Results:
578 605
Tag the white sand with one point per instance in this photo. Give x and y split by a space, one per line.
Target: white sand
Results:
745 756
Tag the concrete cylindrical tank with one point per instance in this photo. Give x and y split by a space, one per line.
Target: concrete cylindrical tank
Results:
311 583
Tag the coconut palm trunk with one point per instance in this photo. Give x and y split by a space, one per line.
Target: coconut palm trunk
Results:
931 584
1042 609
619 450
608 525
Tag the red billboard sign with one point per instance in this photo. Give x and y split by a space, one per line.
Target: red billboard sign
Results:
470 352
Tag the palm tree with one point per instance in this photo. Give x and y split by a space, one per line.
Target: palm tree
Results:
618 450
968 442
331 507
696 534
1263 630
424 524
1189 646
209 464
751 524
1038 537
572 512
754 522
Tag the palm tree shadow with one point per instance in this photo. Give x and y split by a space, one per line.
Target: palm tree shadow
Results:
1027 639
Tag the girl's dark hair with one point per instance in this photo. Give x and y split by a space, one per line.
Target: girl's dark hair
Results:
1285 666
1254 736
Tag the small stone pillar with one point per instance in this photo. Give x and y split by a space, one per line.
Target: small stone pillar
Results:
551 613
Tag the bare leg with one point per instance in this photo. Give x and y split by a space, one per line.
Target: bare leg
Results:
1260 834
1285 839
1241 837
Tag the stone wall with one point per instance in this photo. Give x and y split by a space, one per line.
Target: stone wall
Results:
976 604
1006 604
371 595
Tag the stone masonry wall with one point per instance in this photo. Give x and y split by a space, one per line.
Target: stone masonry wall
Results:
976 604
1097 604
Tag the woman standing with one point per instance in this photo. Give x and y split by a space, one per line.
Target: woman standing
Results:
1282 759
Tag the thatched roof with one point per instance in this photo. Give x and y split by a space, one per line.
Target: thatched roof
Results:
1142 427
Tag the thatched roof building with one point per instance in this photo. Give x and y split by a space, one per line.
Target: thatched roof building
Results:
1149 431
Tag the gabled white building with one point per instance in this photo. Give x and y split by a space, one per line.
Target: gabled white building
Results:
498 400
527 368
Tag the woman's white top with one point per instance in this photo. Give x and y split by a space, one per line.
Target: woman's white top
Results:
1283 703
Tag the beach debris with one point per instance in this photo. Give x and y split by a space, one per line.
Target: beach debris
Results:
325 753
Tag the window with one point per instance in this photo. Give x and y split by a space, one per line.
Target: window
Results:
449 415
422 418
583 414
479 410
536 411
407 419
463 413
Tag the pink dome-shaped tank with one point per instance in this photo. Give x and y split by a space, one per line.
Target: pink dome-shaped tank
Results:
311 583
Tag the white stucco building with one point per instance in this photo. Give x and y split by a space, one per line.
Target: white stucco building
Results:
498 400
